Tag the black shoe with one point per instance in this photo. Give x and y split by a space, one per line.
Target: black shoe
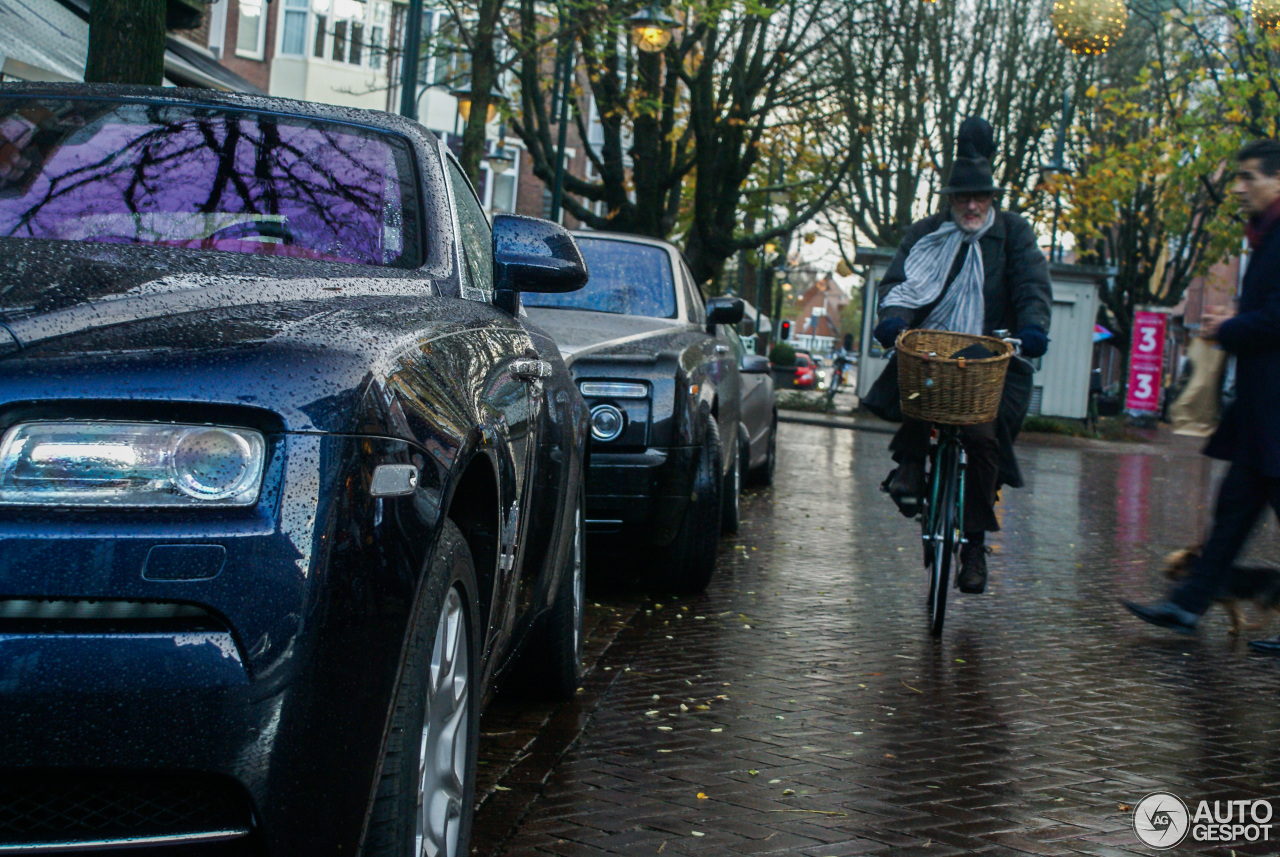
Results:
1267 647
905 484
972 579
1166 614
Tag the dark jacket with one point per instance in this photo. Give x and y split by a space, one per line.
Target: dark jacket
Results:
1015 293
1015 286
1249 433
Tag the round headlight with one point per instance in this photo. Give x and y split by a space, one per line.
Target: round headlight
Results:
607 422
212 464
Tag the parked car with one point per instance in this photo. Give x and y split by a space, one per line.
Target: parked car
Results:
285 482
658 367
758 428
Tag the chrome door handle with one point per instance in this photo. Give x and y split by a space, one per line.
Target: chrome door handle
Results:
722 349
531 370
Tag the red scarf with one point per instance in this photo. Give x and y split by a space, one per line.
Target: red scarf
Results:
1260 224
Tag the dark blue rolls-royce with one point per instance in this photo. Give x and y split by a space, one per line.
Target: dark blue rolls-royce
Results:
286 480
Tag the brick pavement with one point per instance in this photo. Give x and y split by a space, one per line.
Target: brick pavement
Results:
800 707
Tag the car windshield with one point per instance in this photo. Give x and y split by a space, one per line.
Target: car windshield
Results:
206 178
626 278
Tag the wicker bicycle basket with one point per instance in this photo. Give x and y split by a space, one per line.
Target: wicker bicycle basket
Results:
940 389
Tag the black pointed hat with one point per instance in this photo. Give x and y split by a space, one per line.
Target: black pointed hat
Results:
971 170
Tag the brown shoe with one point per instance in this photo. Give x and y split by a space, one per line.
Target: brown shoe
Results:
972 579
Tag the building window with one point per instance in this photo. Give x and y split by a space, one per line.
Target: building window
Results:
251 35
293 37
353 32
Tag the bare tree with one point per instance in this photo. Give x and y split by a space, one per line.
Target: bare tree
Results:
681 132
911 71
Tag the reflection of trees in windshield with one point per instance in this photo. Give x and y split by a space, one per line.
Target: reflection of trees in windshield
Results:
205 178
626 278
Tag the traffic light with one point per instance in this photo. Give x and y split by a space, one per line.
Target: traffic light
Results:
786 330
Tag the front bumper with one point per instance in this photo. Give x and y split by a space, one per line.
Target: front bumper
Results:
639 498
262 698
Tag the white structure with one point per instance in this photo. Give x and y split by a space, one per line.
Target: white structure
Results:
1060 386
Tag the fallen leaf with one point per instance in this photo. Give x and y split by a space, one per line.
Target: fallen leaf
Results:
786 792
753 773
696 833
701 796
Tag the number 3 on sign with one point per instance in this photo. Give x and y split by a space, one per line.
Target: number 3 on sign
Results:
1148 343
1144 390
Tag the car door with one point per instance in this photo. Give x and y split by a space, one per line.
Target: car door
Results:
722 366
757 400
511 394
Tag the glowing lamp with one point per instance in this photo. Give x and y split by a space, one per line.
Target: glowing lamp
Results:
651 28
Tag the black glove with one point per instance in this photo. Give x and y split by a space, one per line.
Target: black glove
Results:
1035 342
886 332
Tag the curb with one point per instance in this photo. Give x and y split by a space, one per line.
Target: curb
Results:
811 419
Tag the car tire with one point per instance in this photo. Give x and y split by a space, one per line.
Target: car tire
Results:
686 565
428 776
551 666
763 475
731 496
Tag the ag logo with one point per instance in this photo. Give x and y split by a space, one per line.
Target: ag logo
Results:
1161 820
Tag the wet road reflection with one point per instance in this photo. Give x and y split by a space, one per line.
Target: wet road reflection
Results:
800 706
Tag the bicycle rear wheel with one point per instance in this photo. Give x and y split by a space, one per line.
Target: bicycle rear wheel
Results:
942 537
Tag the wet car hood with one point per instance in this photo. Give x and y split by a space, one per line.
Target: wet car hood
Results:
54 289
583 333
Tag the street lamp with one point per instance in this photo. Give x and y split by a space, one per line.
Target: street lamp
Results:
464 103
651 28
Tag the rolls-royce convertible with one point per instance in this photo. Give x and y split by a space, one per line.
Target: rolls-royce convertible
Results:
285 479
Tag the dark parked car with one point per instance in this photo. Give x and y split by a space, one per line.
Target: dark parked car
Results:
285 482
659 369
758 428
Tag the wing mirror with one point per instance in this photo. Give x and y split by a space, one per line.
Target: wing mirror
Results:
723 311
754 364
532 255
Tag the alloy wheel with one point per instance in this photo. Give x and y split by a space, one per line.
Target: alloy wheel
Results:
442 756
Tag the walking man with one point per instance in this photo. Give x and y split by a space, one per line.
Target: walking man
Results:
1248 435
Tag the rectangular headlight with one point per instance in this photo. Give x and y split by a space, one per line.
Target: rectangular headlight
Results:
130 464
613 390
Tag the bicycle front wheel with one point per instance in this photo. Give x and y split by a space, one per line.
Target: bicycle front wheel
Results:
942 533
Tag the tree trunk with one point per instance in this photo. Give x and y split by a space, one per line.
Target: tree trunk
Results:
126 42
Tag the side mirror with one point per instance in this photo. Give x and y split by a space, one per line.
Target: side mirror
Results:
532 255
755 364
723 311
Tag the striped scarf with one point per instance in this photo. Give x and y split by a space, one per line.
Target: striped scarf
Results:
928 263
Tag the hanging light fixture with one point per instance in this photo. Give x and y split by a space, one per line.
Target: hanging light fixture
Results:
1266 14
1089 26
464 103
651 28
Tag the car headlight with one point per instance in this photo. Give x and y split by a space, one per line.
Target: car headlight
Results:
607 422
130 464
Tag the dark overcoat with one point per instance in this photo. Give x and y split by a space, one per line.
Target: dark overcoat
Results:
1249 432
1015 293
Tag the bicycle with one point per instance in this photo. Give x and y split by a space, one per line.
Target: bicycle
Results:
838 368
942 508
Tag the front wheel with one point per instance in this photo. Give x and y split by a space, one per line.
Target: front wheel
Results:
941 536
763 475
426 795
561 643
685 566
732 496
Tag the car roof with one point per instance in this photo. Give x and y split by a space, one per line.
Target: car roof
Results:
626 236
213 98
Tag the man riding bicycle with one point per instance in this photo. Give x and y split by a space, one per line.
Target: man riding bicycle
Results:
970 268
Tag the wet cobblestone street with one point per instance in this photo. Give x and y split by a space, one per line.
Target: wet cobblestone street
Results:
801 707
